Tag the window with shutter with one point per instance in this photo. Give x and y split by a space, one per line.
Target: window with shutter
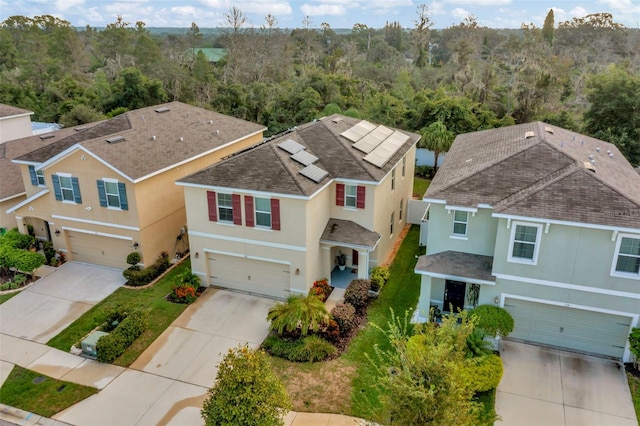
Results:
361 193
248 211
275 214
339 194
212 206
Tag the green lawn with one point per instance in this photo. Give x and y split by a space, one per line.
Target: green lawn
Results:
420 185
400 293
161 314
634 387
7 296
46 398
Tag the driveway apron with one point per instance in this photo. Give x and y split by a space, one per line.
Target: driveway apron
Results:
543 386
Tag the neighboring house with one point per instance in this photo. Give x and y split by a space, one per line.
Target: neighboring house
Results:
213 55
15 123
544 222
104 190
12 185
273 219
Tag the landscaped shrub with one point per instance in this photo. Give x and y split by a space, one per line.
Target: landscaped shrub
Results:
494 320
321 288
484 372
634 342
357 294
298 316
133 258
13 238
49 252
307 349
345 316
113 345
139 277
379 277
113 318
331 332
423 171
185 291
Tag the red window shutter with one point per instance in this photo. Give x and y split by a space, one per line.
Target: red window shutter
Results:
248 210
213 206
339 194
354 257
237 210
275 214
360 197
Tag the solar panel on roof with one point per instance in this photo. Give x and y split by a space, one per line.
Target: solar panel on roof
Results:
383 152
304 157
373 139
314 173
291 146
357 132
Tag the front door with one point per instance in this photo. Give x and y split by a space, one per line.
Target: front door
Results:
454 292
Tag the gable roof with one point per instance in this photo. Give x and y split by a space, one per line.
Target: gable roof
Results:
542 171
8 111
11 183
269 168
152 138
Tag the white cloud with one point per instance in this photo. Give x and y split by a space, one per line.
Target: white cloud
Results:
437 8
64 5
323 10
480 2
460 13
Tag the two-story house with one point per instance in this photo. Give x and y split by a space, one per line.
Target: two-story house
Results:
544 222
101 191
273 219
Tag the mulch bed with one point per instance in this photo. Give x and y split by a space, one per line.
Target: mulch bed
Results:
631 369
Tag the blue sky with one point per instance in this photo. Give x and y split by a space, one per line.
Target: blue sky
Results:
337 13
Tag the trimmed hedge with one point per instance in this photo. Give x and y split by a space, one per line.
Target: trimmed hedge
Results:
484 373
345 315
379 277
138 277
357 294
494 320
111 346
308 349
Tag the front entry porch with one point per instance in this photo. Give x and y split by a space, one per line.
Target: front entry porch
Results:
341 279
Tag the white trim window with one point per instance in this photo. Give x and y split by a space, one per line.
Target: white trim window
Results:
393 179
404 166
225 207
66 188
350 196
392 223
626 262
263 212
401 210
460 223
40 177
524 243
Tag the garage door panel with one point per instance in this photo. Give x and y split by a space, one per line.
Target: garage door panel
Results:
99 250
250 275
577 329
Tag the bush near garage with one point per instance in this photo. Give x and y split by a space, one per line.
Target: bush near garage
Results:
111 346
494 320
138 277
321 288
357 294
308 349
379 277
484 373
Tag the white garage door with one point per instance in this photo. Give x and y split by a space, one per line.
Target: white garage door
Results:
577 329
250 275
99 250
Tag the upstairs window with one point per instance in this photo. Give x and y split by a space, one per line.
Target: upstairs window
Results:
393 179
224 208
460 222
627 259
404 166
392 223
352 196
401 208
525 243
112 194
66 188
263 212
37 176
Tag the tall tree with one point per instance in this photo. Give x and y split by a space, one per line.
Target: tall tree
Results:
421 34
437 138
548 28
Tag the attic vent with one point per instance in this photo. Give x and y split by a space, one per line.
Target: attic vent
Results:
115 139
79 129
47 136
161 110
589 166
337 120
548 129
529 135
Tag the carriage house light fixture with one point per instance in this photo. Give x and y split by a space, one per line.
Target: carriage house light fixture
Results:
57 232
135 245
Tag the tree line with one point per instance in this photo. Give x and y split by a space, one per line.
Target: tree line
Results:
581 74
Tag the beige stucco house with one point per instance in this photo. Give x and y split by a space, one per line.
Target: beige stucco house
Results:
272 220
101 191
15 123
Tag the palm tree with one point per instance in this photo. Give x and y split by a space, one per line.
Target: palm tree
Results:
298 315
437 138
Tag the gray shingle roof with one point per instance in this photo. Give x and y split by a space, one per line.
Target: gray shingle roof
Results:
153 141
269 168
349 233
10 111
547 175
457 265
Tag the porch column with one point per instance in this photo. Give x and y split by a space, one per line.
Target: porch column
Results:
325 262
363 264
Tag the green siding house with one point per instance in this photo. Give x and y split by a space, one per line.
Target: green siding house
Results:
544 222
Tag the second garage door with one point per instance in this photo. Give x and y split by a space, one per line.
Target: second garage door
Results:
250 275
577 329
106 251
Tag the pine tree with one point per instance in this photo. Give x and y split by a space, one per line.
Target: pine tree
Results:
548 27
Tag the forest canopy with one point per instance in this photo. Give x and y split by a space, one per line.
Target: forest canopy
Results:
582 74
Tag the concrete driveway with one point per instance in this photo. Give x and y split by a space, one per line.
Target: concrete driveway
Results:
543 386
47 307
168 382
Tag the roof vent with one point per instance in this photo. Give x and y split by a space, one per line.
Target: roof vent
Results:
597 149
153 138
610 154
589 166
548 129
529 135
337 120
47 136
217 132
115 139
591 157
608 151
181 139
162 110
210 121
79 129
